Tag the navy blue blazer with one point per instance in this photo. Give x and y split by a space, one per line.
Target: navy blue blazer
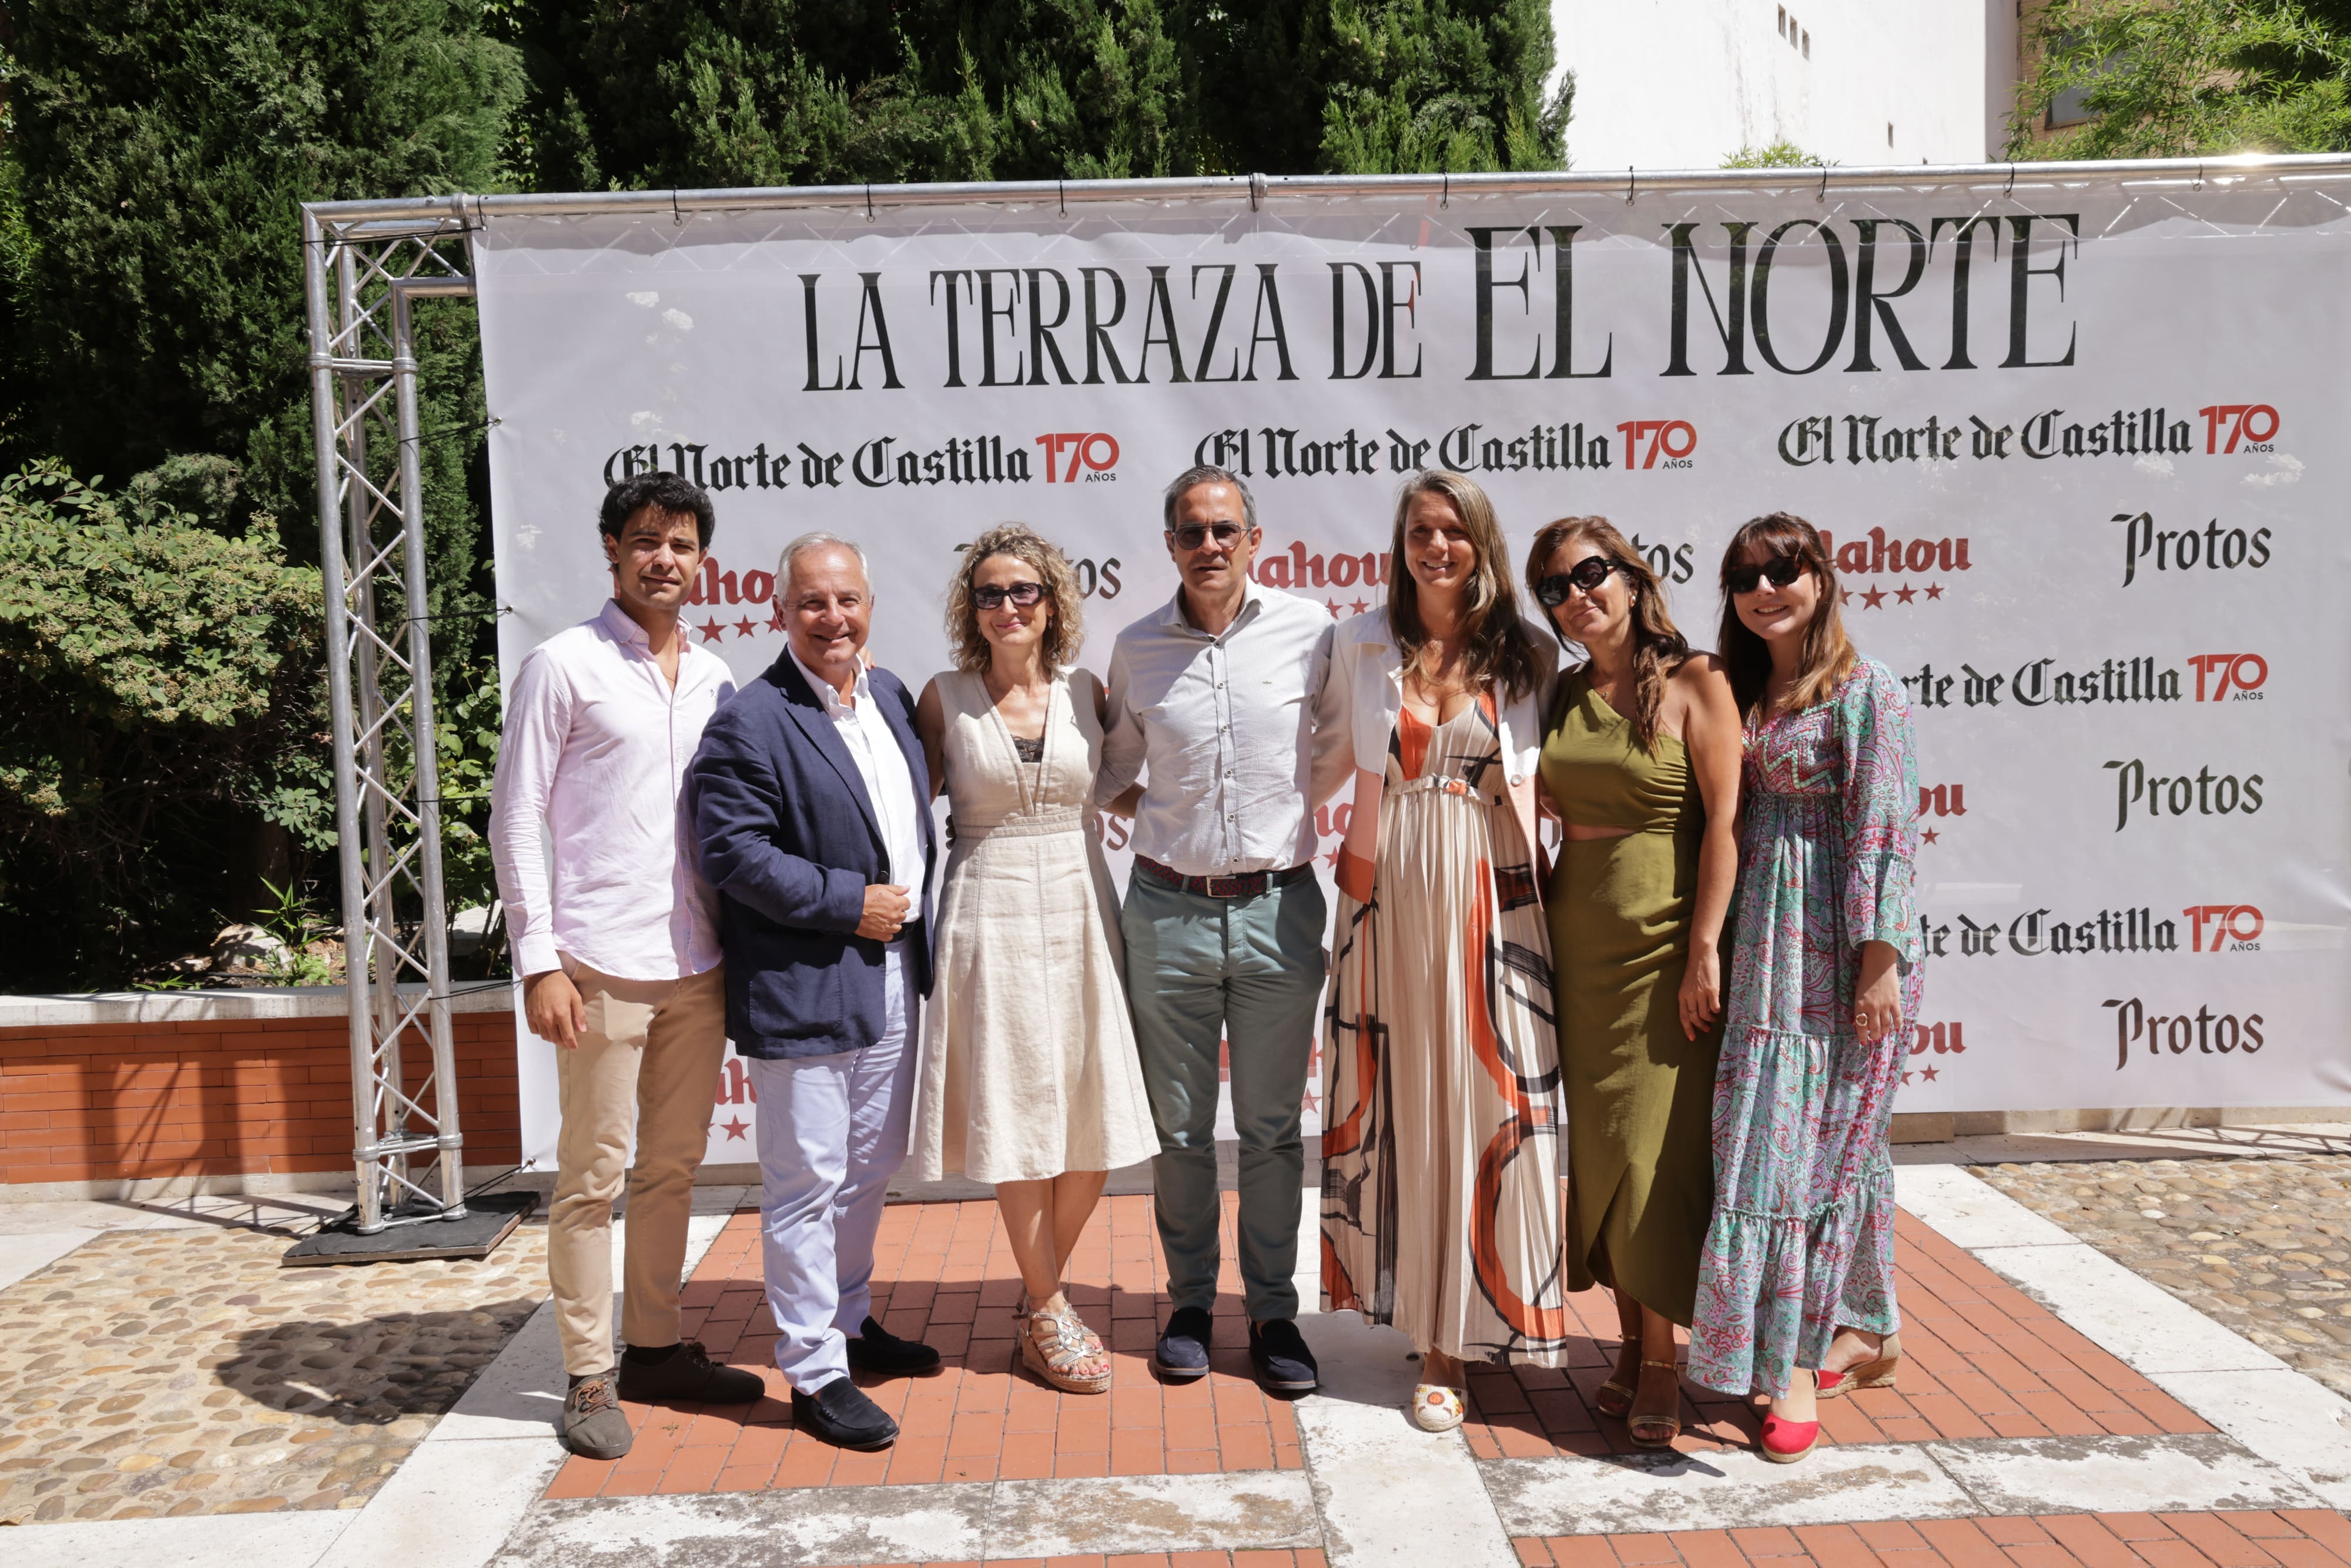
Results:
791 840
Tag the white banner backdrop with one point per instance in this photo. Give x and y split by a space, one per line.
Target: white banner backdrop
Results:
2078 448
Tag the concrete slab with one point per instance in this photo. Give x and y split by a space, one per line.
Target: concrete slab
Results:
2294 1422
206 1540
1246 1511
1971 1212
2128 1316
754 1530
1729 1489
2116 1475
452 1505
1389 1493
29 1252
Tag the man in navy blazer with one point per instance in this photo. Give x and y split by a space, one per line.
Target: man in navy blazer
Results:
812 805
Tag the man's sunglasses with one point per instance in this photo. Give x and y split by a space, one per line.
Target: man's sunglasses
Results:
1588 574
1192 535
1024 594
1782 570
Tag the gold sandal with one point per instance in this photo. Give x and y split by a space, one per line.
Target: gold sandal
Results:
1649 1423
1067 1343
1622 1401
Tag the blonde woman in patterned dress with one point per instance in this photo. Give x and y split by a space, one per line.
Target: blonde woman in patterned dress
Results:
1441 1110
1029 1077
1795 1295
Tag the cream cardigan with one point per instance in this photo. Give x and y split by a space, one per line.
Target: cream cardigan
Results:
1366 665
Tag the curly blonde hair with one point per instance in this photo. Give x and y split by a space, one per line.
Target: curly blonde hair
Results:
1063 634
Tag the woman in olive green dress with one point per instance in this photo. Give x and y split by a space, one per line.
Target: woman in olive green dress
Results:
1640 760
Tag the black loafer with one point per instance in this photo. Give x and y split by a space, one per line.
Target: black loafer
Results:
1284 1365
841 1415
1182 1353
688 1376
882 1353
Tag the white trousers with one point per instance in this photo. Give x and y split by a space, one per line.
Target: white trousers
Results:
833 1132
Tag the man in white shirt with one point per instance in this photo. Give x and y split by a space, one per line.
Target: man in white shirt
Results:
811 801
616 937
1220 695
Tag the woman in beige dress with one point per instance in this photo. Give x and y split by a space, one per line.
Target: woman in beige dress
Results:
1029 1078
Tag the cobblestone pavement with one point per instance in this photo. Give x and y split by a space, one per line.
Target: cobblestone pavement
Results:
2262 1246
177 1371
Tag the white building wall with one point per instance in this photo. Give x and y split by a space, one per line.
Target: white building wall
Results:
1684 84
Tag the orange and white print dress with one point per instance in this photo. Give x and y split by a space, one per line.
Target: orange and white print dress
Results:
1442 1103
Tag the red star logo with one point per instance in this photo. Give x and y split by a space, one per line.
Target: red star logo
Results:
1928 836
1845 596
711 631
1927 1073
1908 1077
1905 593
735 1128
776 621
1873 598
745 626
1358 607
1934 591
1333 608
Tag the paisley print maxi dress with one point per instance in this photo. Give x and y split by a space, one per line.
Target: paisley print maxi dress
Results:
1801 1240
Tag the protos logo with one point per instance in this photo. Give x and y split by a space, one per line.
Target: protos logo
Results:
2254 423
1092 453
2203 1030
2232 927
2203 792
2218 674
1671 439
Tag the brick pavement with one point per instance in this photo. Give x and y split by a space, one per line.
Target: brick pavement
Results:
2315 1538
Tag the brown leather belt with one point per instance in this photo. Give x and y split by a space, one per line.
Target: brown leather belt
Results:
1247 885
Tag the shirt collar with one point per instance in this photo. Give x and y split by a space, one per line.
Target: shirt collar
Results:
624 628
826 692
1174 616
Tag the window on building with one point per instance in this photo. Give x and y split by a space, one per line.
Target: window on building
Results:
1783 21
2069 107
1889 134
1808 45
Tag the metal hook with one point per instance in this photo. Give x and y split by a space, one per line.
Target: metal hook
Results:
676 216
1257 189
1632 184
1822 195
869 201
1062 190
2010 191
1445 197
2199 174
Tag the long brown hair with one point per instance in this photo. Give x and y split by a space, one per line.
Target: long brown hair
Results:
1828 655
1658 647
967 645
1498 651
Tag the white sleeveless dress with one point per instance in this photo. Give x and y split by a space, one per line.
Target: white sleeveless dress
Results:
1028 1063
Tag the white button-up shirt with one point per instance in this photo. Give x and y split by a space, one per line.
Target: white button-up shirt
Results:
1232 728
594 855
889 782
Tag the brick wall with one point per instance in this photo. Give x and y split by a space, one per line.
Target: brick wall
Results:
236 1096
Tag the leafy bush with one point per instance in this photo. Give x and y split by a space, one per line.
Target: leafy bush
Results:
160 695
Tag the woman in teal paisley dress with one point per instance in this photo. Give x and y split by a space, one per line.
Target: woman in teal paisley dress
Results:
1795 1296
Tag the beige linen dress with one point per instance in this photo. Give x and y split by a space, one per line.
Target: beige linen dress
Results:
1029 1061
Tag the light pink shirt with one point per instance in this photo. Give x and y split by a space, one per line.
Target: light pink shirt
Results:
595 856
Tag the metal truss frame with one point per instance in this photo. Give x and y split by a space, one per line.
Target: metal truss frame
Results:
363 276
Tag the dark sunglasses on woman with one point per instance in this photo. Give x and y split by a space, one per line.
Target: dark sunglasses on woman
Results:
1023 594
1782 570
1588 574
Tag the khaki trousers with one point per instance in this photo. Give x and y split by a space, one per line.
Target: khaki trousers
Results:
651 1054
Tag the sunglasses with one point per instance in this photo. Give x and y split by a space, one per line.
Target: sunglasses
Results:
1024 594
1782 570
1588 575
1192 535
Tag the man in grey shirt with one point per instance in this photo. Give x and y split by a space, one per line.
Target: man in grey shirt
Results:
1221 694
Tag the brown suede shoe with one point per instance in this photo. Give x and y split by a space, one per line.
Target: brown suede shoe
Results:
593 1426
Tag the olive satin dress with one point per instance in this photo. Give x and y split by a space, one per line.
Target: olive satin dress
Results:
1639 1094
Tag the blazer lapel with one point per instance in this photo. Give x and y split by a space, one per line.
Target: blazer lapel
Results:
808 713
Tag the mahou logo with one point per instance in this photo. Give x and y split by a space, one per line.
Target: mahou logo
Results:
1351 581
1879 553
1933 1040
1939 800
2203 1030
